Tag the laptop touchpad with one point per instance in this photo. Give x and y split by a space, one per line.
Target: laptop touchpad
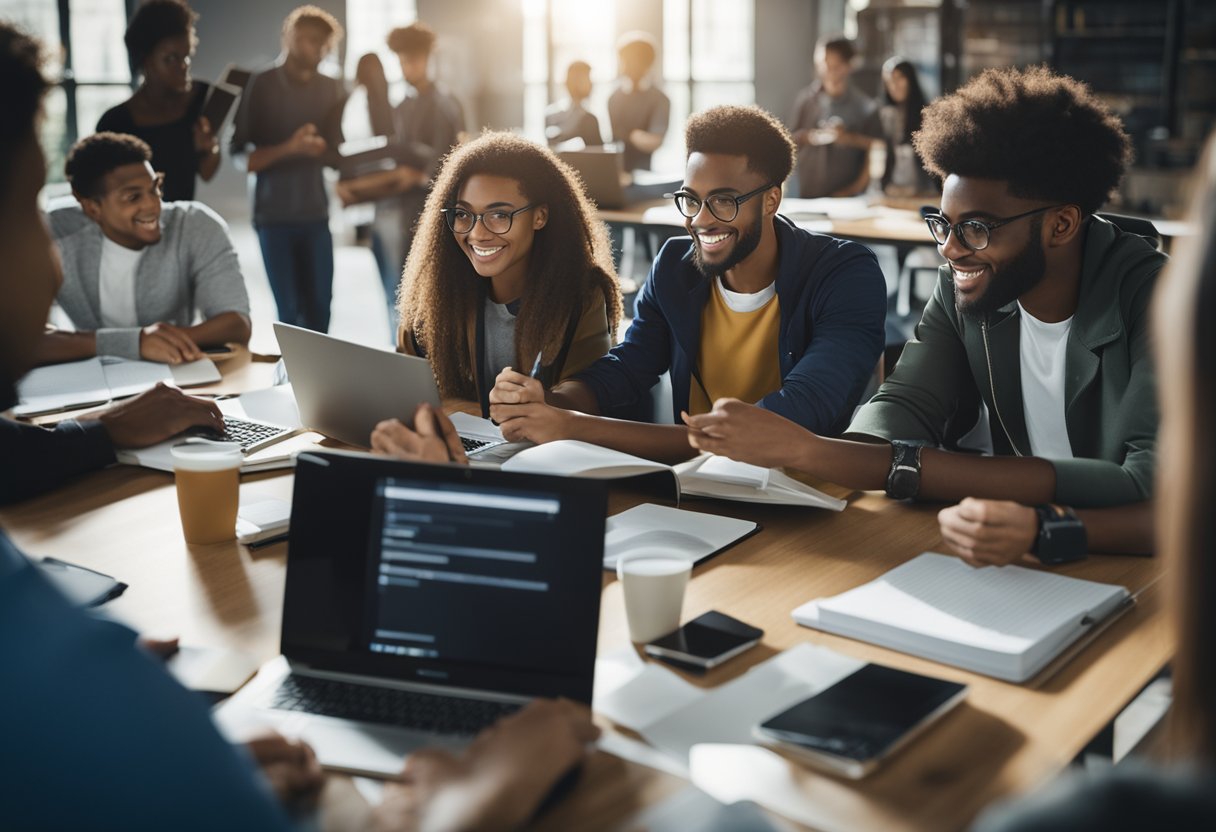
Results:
366 749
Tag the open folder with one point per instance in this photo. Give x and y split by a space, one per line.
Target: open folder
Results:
1008 621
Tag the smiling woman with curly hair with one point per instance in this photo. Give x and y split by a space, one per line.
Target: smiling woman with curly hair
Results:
509 267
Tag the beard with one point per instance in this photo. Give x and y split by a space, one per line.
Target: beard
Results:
1012 280
744 246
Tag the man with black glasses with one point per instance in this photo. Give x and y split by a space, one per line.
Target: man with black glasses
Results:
1033 349
747 306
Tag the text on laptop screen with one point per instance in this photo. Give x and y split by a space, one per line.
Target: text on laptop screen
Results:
440 548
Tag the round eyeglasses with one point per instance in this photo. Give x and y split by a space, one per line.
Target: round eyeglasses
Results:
723 207
497 221
974 234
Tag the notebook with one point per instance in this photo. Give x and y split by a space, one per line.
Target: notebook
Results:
423 602
1007 622
702 476
675 532
101 379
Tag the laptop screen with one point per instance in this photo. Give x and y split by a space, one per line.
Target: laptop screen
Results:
442 574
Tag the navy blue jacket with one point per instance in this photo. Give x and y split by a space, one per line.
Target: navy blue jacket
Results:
833 306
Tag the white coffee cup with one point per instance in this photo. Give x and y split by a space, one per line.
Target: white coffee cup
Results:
208 476
653 583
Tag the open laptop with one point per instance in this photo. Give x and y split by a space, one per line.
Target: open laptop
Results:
423 602
601 172
344 389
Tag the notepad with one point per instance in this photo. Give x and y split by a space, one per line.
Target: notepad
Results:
1008 622
674 532
98 380
702 476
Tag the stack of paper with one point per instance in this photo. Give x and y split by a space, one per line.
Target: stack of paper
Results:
1008 622
671 531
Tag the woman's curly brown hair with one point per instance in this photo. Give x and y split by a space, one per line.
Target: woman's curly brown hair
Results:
570 260
1046 135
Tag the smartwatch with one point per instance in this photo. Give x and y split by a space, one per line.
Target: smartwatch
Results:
1062 537
903 481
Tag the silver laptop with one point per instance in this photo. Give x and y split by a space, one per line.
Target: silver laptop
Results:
601 172
423 602
344 389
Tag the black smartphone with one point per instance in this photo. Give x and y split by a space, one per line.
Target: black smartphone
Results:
851 726
706 641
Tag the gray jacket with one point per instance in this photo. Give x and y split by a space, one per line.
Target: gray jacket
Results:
192 269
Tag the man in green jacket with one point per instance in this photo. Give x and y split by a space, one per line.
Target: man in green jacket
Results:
1033 348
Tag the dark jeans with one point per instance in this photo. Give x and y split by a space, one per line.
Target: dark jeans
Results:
299 260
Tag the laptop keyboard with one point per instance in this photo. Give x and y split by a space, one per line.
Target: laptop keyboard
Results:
471 445
251 436
389 706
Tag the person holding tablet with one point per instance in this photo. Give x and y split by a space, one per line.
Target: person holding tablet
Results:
509 268
166 110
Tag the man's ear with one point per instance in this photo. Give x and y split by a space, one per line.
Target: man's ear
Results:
772 200
1065 226
540 217
90 206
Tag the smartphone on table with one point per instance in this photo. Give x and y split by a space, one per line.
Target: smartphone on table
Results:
706 642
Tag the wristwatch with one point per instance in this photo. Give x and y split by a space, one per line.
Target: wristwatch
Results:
1062 537
903 482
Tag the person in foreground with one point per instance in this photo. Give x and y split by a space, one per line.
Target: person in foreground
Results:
747 306
96 732
1134 795
509 268
1034 346
136 271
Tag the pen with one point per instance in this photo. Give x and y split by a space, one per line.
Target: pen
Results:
536 365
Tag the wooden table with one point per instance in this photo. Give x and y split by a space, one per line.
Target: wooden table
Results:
1005 739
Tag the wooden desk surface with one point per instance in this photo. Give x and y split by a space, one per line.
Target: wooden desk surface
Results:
1005 739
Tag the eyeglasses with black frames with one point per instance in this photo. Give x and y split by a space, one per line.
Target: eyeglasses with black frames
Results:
723 207
974 234
496 221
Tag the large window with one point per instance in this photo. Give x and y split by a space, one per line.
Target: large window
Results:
87 60
707 59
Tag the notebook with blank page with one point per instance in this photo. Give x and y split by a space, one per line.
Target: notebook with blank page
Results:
1007 622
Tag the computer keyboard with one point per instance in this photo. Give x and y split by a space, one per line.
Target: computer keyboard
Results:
251 436
389 706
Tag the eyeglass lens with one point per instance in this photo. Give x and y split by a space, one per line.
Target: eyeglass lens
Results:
723 207
496 222
975 234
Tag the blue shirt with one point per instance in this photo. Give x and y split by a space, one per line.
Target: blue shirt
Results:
95 734
833 308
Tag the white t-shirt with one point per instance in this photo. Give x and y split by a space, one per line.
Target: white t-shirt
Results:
744 301
116 284
1042 347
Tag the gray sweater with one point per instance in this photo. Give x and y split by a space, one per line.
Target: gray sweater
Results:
192 269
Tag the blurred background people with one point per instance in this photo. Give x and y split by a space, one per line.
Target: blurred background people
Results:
568 120
166 109
903 99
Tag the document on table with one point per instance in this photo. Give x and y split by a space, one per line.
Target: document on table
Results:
98 380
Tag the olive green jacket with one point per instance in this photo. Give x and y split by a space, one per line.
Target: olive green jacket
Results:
933 394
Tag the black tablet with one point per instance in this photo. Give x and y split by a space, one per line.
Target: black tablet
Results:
851 726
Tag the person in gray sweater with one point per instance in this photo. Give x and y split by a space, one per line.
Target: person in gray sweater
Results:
137 272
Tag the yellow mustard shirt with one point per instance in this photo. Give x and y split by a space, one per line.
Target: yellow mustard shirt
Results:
738 356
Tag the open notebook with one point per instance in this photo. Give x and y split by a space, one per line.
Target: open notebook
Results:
1008 622
96 381
702 476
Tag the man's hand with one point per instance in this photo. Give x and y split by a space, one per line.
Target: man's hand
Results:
984 532
306 141
434 438
205 140
155 415
500 780
746 433
291 767
517 403
168 344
